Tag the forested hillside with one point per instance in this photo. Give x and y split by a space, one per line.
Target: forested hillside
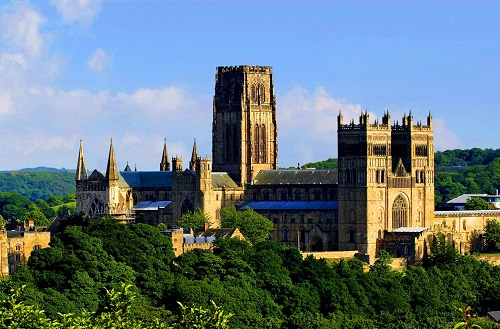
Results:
265 285
38 184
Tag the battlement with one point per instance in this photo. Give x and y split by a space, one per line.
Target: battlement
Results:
244 69
407 124
203 159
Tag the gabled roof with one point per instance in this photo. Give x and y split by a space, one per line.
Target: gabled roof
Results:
290 177
291 205
222 179
145 179
96 175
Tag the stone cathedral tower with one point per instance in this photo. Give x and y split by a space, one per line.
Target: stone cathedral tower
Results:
244 131
386 179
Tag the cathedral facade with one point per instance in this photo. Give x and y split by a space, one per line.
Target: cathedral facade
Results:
380 197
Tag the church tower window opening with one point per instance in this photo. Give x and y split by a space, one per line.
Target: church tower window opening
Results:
399 212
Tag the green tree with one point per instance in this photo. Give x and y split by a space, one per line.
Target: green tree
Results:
253 226
442 252
493 236
194 220
35 215
476 204
3 222
13 205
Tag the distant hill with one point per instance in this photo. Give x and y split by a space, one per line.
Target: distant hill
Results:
331 163
38 183
42 169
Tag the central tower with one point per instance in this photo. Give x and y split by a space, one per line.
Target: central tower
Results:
244 131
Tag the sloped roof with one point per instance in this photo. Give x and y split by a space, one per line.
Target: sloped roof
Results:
218 232
495 315
409 229
222 179
146 179
151 205
463 198
291 205
290 177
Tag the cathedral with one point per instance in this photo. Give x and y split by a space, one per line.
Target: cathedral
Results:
380 197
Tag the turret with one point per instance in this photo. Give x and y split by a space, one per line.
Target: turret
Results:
177 164
127 168
111 170
204 173
164 164
429 120
81 168
194 156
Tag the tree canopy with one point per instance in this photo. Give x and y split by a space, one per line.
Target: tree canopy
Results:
476 204
253 226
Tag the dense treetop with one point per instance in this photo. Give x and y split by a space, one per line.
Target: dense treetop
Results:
260 285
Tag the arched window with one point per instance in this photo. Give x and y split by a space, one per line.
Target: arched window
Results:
96 208
317 194
352 235
285 234
18 247
284 195
253 94
262 93
399 212
227 143
263 149
379 234
236 140
256 144
37 247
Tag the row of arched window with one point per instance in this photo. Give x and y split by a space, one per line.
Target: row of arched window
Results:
258 93
295 195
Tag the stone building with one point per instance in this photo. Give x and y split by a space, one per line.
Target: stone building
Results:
381 195
16 247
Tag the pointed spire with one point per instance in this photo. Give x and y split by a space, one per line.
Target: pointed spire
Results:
111 170
135 169
81 168
127 168
164 164
194 155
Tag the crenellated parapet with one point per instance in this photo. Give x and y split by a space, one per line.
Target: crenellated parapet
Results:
244 69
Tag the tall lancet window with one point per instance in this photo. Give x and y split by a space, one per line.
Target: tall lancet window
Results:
262 94
256 144
399 212
253 94
263 148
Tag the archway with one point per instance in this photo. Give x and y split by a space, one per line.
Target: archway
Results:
316 243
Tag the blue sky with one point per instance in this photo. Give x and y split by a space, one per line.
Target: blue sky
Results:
142 71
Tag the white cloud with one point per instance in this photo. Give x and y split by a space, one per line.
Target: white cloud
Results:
307 125
99 60
444 138
78 11
6 105
22 30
